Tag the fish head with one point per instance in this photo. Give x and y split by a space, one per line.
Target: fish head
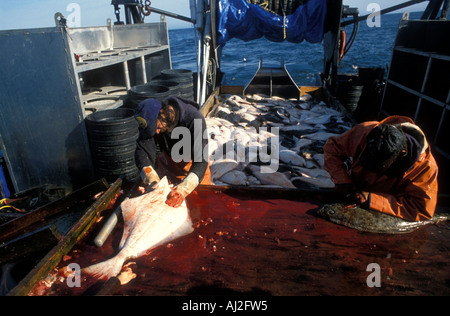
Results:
331 212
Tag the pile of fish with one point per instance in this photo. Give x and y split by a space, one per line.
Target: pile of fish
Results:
261 141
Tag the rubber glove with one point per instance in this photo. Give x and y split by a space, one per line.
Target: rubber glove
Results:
179 193
149 176
362 198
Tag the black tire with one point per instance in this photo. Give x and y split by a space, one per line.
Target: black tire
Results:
139 93
112 138
173 86
178 75
185 80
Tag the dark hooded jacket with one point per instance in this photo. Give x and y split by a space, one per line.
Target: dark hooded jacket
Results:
149 142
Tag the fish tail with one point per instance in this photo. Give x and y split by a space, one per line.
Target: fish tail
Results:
106 269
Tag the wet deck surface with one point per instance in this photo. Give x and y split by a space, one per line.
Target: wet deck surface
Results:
276 247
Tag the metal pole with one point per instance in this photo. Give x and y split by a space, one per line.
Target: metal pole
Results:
143 69
126 74
207 40
199 70
205 72
172 15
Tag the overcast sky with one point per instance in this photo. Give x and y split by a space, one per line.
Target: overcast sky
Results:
22 14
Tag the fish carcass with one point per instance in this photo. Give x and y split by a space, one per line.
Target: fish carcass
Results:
149 223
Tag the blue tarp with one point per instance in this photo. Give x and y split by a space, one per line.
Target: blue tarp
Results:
240 19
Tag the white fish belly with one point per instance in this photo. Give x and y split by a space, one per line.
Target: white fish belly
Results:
153 223
276 178
149 223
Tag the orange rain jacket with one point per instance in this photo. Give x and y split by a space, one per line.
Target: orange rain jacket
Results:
411 197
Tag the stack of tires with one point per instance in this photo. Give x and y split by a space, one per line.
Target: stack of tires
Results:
184 79
112 138
174 87
139 93
171 82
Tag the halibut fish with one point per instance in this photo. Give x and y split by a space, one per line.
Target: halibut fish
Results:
235 177
373 221
276 178
149 223
222 167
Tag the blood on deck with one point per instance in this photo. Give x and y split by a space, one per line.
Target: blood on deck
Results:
273 246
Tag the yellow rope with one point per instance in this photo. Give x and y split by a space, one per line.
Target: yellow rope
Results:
265 4
5 205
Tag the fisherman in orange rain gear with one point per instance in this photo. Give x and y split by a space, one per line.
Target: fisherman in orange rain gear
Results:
157 120
385 166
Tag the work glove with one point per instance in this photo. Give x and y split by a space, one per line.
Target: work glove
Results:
149 176
179 193
352 195
362 198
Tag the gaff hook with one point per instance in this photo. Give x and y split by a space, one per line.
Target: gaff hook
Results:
146 10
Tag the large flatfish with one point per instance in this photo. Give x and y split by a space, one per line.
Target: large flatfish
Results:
235 177
149 223
373 221
221 167
276 178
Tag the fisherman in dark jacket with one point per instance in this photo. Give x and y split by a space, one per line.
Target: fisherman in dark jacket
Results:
161 124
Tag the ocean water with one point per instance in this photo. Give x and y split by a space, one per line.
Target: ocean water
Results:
240 60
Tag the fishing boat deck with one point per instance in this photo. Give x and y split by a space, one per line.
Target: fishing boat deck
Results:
267 241
245 241
271 242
